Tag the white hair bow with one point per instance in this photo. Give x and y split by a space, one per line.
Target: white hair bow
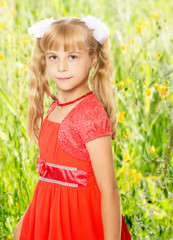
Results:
39 29
100 32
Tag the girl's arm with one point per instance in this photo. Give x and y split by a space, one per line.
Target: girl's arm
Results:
100 151
111 215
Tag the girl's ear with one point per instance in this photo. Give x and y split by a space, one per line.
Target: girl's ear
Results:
93 59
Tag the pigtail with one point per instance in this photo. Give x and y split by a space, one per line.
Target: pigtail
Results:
101 83
38 86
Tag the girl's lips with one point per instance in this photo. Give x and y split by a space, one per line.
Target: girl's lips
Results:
63 79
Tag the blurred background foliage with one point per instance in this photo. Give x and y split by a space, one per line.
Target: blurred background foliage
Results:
141 45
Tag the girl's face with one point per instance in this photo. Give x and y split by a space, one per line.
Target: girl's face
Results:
69 69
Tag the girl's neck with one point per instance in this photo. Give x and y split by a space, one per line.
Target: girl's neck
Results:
68 96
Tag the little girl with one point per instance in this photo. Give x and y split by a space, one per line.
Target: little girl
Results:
76 197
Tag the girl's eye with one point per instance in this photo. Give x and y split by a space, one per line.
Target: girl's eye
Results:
51 57
73 57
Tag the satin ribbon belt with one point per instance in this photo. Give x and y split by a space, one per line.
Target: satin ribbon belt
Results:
59 174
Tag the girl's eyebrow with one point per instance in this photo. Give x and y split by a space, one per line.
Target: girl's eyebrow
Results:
52 52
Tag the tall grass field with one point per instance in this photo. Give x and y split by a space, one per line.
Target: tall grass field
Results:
141 35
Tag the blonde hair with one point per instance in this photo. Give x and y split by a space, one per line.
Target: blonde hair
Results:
70 30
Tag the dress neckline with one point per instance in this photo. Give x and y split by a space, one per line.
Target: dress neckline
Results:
70 112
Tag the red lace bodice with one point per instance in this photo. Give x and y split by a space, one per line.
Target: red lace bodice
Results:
86 121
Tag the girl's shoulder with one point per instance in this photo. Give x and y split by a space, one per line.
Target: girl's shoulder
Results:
92 108
92 120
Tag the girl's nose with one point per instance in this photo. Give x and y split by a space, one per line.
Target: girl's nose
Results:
62 65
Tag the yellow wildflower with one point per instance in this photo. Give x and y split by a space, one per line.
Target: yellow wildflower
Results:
138 176
113 81
155 15
158 55
20 41
127 161
121 116
128 80
124 170
123 47
158 87
140 23
128 186
16 205
148 92
139 27
172 98
13 12
126 158
26 41
7 184
24 67
17 185
2 56
2 3
152 149
1 25
163 93
124 123
131 171
128 133
120 84
130 42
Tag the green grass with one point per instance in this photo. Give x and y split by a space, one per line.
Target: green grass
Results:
143 152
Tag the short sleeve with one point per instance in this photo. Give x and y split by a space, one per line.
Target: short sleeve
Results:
95 123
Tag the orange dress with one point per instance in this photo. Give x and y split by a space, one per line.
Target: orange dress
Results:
66 203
